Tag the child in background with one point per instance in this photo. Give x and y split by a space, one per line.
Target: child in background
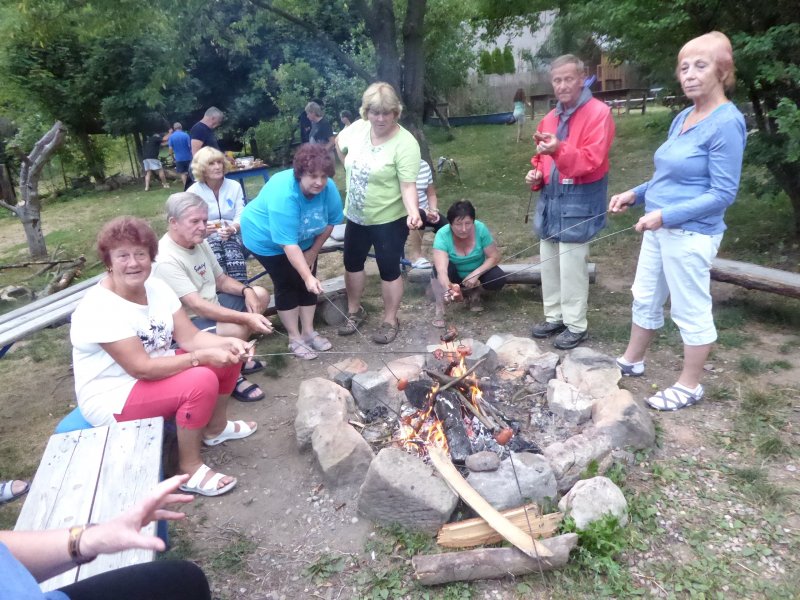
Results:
519 112
428 212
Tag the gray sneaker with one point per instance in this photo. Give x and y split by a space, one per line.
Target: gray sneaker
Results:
546 329
353 322
567 340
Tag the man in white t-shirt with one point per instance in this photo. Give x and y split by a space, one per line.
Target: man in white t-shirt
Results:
213 300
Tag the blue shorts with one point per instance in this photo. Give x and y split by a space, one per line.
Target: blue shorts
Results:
182 166
226 300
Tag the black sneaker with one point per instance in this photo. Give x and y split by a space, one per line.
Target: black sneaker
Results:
546 329
567 340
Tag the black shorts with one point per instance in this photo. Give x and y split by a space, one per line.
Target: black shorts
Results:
388 239
182 166
228 301
289 288
493 279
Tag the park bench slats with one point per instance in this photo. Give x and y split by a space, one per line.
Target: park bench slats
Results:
92 475
48 300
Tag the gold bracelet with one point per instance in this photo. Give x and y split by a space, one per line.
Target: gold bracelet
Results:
74 544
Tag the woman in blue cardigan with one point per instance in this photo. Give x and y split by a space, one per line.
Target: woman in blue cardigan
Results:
696 178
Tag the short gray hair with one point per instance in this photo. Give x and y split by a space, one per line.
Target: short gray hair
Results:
179 203
314 108
177 126
566 59
213 113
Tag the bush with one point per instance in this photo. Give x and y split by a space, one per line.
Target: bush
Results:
273 139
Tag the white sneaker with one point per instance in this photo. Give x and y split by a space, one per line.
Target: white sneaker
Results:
421 263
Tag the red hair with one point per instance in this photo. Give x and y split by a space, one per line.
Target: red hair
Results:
312 158
121 230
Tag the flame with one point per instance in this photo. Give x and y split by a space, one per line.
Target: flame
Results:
422 427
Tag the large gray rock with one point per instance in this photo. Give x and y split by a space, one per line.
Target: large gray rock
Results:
624 420
499 488
568 402
591 499
482 461
343 455
570 458
592 372
343 371
401 488
319 402
407 367
543 369
511 351
373 389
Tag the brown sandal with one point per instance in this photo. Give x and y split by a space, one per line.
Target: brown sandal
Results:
386 333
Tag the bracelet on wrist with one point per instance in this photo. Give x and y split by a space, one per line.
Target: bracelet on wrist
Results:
247 286
74 544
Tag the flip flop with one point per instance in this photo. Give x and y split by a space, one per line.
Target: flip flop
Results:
257 365
318 342
7 490
194 485
230 433
244 395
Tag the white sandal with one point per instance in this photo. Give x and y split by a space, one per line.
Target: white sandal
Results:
195 484
230 433
676 397
318 342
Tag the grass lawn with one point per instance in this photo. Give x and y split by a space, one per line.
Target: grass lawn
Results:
713 508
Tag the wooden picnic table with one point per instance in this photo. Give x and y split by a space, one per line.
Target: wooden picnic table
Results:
241 174
91 476
627 97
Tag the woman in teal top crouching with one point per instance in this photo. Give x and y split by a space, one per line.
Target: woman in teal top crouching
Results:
464 256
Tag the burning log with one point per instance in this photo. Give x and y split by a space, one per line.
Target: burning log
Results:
460 378
477 532
498 522
491 563
448 410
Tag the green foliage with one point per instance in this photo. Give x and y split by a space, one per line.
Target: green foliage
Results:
485 62
508 60
273 139
234 555
498 65
599 546
324 567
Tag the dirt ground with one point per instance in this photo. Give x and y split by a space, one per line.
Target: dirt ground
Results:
259 540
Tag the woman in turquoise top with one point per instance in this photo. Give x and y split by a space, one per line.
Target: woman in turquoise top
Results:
464 256
285 227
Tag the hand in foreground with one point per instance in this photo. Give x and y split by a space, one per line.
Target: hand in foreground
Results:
453 293
254 303
649 222
533 177
124 532
546 143
258 323
313 285
470 282
226 231
413 221
432 214
619 203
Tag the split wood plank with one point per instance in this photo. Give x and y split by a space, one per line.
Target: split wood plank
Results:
498 522
491 563
756 277
477 532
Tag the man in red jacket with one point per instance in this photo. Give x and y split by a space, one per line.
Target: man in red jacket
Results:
571 170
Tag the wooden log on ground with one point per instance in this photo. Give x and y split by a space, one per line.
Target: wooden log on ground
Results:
530 273
499 523
477 532
491 563
755 277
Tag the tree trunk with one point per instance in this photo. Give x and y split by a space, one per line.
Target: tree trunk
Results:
414 59
29 209
94 160
380 22
6 186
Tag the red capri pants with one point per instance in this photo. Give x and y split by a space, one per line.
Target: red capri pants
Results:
189 396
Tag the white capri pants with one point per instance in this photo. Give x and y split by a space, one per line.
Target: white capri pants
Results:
676 263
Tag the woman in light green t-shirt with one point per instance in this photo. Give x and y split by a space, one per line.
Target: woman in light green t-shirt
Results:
382 162
464 256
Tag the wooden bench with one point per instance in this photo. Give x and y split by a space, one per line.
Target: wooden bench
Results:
516 273
626 97
49 311
92 475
